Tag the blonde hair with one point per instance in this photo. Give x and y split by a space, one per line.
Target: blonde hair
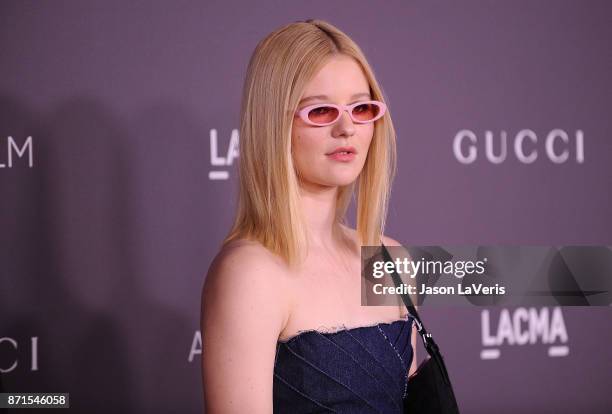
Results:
268 204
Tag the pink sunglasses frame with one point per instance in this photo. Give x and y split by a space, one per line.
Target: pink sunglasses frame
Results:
303 113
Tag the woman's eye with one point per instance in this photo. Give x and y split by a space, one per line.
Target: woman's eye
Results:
320 111
361 108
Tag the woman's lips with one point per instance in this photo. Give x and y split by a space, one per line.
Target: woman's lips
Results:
342 156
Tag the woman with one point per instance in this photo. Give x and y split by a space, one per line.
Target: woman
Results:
283 329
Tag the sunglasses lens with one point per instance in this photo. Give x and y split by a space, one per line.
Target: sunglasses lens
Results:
366 112
323 114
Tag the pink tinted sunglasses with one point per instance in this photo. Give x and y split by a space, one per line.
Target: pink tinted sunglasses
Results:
327 114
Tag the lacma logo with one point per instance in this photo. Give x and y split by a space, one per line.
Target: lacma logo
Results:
12 149
559 147
196 346
523 327
217 160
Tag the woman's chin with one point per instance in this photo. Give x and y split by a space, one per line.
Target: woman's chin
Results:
341 180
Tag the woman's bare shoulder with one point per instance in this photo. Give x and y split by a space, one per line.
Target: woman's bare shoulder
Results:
246 260
245 276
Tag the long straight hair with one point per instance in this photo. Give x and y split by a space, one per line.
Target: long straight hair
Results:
268 199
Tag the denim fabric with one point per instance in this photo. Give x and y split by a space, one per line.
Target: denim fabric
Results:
356 370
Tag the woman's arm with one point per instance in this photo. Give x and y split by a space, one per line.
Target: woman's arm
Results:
243 313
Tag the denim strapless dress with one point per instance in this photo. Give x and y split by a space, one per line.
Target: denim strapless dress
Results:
356 370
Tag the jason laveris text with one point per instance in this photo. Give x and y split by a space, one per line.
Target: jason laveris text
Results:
460 289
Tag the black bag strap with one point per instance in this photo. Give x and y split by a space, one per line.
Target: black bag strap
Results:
430 345
426 336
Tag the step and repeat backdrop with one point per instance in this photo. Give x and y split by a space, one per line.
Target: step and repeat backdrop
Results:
118 152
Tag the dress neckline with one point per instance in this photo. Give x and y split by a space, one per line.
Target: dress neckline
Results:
340 329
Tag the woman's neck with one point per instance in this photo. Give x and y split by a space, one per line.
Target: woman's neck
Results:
318 205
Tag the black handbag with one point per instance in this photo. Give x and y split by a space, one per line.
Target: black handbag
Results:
429 388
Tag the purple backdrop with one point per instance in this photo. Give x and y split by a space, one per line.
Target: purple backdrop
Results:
113 209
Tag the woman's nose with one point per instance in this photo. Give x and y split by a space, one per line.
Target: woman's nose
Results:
344 127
